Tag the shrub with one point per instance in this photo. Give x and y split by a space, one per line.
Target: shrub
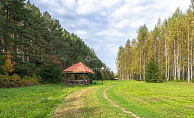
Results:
180 80
10 81
16 81
4 81
29 81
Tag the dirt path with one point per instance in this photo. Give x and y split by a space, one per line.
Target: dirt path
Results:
123 109
73 104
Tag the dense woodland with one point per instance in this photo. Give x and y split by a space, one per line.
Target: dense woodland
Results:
171 43
38 45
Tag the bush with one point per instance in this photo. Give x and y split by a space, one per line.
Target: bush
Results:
29 81
51 73
16 81
4 81
152 72
180 80
10 81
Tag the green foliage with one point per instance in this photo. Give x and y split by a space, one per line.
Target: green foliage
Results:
79 59
10 81
97 75
152 72
51 73
16 81
28 81
180 80
2 61
135 76
106 76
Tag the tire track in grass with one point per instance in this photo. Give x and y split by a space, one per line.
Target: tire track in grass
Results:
72 106
123 109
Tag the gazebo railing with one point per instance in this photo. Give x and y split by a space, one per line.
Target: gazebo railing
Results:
77 82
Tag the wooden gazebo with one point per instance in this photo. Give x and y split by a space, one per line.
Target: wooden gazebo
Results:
78 69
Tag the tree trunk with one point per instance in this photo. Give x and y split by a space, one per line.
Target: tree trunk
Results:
166 59
168 74
183 76
174 61
191 58
188 59
140 65
120 72
144 66
178 67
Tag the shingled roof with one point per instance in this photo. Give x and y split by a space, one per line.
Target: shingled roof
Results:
78 68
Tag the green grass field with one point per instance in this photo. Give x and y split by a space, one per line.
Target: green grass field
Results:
35 101
170 99
164 100
92 105
41 101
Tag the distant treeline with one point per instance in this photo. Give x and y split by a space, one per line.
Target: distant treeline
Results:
171 43
36 40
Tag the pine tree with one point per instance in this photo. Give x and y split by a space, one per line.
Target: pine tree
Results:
79 59
152 74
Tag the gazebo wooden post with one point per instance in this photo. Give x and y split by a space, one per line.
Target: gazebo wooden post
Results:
91 81
66 80
84 82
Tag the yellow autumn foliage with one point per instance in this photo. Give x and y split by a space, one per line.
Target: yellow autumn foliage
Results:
8 65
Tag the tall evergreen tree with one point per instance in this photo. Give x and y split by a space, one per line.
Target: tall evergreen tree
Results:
152 74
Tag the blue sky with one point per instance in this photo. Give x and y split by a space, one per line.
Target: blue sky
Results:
104 25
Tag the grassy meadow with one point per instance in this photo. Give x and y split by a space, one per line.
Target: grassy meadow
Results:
41 101
35 101
92 104
171 99
148 100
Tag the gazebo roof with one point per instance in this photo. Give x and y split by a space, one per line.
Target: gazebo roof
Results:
78 68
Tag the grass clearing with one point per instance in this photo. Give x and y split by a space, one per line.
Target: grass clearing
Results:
155 99
170 99
92 104
43 100
35 101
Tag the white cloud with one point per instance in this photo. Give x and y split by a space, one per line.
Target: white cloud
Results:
70 4
87 6
111 33
110 3
81 33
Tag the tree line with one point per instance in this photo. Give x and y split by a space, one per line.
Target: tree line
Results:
37 41
171 43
